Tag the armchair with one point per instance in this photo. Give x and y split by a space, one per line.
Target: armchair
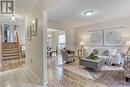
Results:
67 56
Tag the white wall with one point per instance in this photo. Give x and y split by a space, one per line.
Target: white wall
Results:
82 32
36 49
20 22
0 49
70 34
21 29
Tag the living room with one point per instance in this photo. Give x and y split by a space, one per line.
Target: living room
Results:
95 50
101 29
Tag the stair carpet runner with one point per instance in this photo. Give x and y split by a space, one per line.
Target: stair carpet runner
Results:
10 51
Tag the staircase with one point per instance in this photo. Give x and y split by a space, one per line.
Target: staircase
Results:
10 51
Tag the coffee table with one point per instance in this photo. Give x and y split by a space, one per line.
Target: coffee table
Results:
92 63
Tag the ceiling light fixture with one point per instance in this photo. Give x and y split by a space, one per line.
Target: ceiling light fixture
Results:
88 13
13 18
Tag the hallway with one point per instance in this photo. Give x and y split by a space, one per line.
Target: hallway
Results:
15 75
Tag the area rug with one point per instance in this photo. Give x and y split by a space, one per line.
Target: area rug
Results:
11 65
111 76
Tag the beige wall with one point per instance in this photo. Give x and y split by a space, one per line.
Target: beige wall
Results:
82 32
36 49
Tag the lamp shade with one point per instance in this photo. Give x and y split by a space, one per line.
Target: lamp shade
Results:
128 43
82 43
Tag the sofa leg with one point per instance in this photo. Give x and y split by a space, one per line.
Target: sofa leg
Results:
127 79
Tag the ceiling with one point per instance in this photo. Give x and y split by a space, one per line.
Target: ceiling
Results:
52 30
23 7
68 12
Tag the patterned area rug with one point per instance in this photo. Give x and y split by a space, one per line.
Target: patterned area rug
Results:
111 76
12 64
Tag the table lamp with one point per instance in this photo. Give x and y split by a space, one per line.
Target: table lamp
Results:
82 45
128 44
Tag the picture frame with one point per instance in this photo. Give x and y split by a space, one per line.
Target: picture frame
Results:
29 33
114 37
95 38
34 27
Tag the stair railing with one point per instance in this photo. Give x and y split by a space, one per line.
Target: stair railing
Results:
18 43
17 40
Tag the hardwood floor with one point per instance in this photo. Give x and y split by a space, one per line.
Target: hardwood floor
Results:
59 77
13 74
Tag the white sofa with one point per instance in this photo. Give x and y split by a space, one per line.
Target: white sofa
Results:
110 55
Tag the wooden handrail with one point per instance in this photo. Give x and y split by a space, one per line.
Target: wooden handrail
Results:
17 41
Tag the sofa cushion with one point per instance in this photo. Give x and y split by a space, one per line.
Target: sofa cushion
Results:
106 53
112 52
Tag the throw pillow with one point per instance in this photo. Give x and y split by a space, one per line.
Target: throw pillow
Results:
105 53
95 51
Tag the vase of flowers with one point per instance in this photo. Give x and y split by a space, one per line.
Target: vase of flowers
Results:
92 56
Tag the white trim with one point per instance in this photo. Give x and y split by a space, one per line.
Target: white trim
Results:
45 61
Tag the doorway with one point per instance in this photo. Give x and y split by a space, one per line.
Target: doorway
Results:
8 33
56 41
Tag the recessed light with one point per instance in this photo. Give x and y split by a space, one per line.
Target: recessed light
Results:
88 13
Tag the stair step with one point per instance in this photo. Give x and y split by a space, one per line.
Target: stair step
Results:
13 51
8 42
11 57
10 49
8 46
10 54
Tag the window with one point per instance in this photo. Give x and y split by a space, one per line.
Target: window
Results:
61 41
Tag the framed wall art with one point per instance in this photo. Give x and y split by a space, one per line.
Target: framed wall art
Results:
29 33
114 37
96 38
34 27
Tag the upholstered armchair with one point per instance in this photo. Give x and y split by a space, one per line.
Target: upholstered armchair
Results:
67 55
127 70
